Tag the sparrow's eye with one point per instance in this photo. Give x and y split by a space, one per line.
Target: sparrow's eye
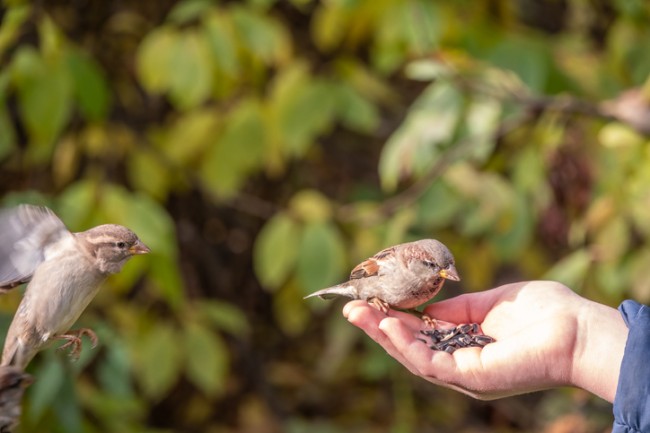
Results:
121 244
430 264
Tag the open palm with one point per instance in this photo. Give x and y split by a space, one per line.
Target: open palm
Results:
537 326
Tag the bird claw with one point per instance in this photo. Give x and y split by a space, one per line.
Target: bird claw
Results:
429 321
380 305
73 340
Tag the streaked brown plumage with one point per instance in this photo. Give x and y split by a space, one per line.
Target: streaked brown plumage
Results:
403 276
64 271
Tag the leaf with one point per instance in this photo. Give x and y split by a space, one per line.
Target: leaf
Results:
90 88
189 136
427 70
311 206
45 390
148 174
480 125
189 10
225 316
157 365
321 259
221 40
301 107
571 270
271 262
438 206
44 98
190 80
528 58
207 363
329 25
237 152
13 19
414 147
355 111
155 58
262 36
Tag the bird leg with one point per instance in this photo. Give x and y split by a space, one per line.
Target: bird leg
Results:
379 304
429 321
73 340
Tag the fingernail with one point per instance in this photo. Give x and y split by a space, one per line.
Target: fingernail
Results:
346 310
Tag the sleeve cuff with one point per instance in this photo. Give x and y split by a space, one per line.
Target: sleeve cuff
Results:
632 401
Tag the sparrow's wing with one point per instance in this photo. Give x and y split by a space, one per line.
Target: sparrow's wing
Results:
371 266
25 231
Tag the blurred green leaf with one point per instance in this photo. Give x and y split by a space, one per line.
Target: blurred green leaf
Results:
190 82
311 206
438 206
571 270
414 146
148 174
276 250
356 112
90 88
190 136
260 34
46 389
207 361
225 316
527 57
44 97
13 19
188 10
302 107
321 257
156 367
237 152
329 25
155 58
219 33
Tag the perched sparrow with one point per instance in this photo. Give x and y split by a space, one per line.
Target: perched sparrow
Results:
403 276
64 271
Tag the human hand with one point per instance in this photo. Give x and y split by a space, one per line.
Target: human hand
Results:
546 336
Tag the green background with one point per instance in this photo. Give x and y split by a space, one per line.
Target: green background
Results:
262 148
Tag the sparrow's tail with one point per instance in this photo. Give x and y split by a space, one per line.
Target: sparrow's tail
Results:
346 290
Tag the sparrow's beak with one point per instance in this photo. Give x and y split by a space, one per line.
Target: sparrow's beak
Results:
139 248
450 273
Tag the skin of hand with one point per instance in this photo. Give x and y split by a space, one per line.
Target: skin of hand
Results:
546 336
402 276
64 270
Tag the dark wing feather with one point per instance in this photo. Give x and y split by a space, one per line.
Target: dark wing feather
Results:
25 231
370 267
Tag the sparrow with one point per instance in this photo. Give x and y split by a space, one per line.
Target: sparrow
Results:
64 271
403 276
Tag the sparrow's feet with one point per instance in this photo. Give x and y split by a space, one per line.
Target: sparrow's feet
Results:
449 340
73 340
429 321
380 305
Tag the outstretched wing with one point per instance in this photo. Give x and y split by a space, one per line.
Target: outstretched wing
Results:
25 232
370 267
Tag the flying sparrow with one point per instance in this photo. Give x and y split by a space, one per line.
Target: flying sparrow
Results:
402 276
64 271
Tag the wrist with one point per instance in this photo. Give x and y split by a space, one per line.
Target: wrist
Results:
600 343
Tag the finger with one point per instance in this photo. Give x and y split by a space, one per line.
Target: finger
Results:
437 367
409 319
470 307
369 319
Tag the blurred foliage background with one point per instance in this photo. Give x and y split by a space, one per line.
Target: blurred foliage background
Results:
262 148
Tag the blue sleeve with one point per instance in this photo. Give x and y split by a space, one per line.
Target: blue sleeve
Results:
632 401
